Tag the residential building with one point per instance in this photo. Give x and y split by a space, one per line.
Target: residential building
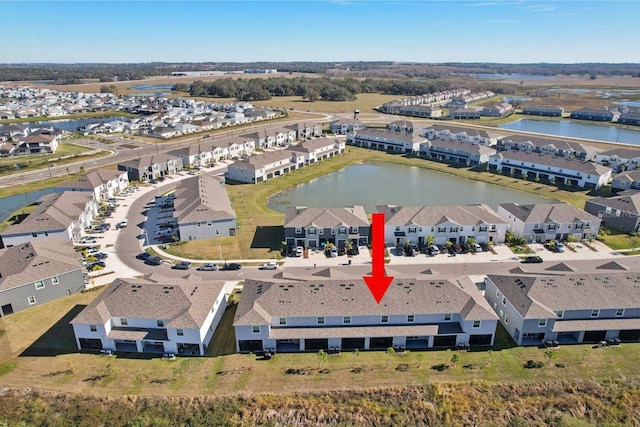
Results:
549 221
630 118
264 166
457 152
501 109
37 272
103 183
315 227
423 225
151 167
63 215
42 141
465 113
548 168
570 309
543 110
318 149
459 133
621 212
152 315
344 126
203 209
551 146
306 130
626 181
342 315
385 140
401 126
603 115
273 137
619 159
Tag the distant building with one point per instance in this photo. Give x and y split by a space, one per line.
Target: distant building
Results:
595 115
543 110
314 227
621 212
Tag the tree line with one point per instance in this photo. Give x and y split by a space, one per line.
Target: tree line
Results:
311 89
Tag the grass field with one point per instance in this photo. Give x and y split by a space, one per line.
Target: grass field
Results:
37 354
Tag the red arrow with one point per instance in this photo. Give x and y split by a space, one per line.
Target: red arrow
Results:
378 282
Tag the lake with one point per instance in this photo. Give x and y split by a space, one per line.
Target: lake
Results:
605 133
374 184
11 204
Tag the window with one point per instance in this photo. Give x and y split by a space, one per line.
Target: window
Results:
209 224
354 230
34 235
411 318
282 321
160 323
180 332
620 312
442 229
412 229
506 319
312 231
595 312
217 232
123 321
397 228
447 317
198 224
320 320
32 300
54 280
298 230
504 300
453 229
46 234
346 320
93 328
493 227
255 329
333 231
542 323
498 293
384 319
477 323
39 284
560 313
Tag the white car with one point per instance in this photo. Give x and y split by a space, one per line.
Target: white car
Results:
269 266
299 251
124 223
334 252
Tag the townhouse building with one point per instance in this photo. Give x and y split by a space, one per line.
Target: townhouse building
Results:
42 141
549 168
264 166
154 315
38 272
273 137
457 152
542 145
603 115
63 215
306 130
103 183
619 159
570 309
292 315
543 110
319 149
629 180
465 113
630 118
422 225
151 167
422 111
401 126
202 209
501 109
621 212
386 140
542 222
459 133
315 227
344 126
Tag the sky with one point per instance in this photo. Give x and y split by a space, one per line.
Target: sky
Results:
507 31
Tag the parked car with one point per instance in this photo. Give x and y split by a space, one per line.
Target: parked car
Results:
299 251
123 223
182 265
333 252
532 260
207 267
154 260
408 251
477 247
167 238
231 266
100 255
95 265
434 249
269 266
559 247
143 256
90 251
485 247
88 240
400 250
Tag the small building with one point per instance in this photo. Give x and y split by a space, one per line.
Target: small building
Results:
456 152
570 309
630 118
501 109
621 212
603 115
629 180
344 126
542 222
341 315
264 166
619 159
318 149
553 146
154 315
543 110
203 209
151 167
423 225
386 140
103 183
38 272
465 113
315 227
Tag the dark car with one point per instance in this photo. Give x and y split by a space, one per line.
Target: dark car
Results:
231 266
100 255
143 256
408 251
532 260
154 260
400 250
182 265
167 239
96 265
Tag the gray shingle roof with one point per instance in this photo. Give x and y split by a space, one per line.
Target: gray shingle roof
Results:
434 215
561 213
549 160
623 153
36 260
348 216
262 160
313 145
183 303
262 300
390 135
94 179
627 203
202 198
